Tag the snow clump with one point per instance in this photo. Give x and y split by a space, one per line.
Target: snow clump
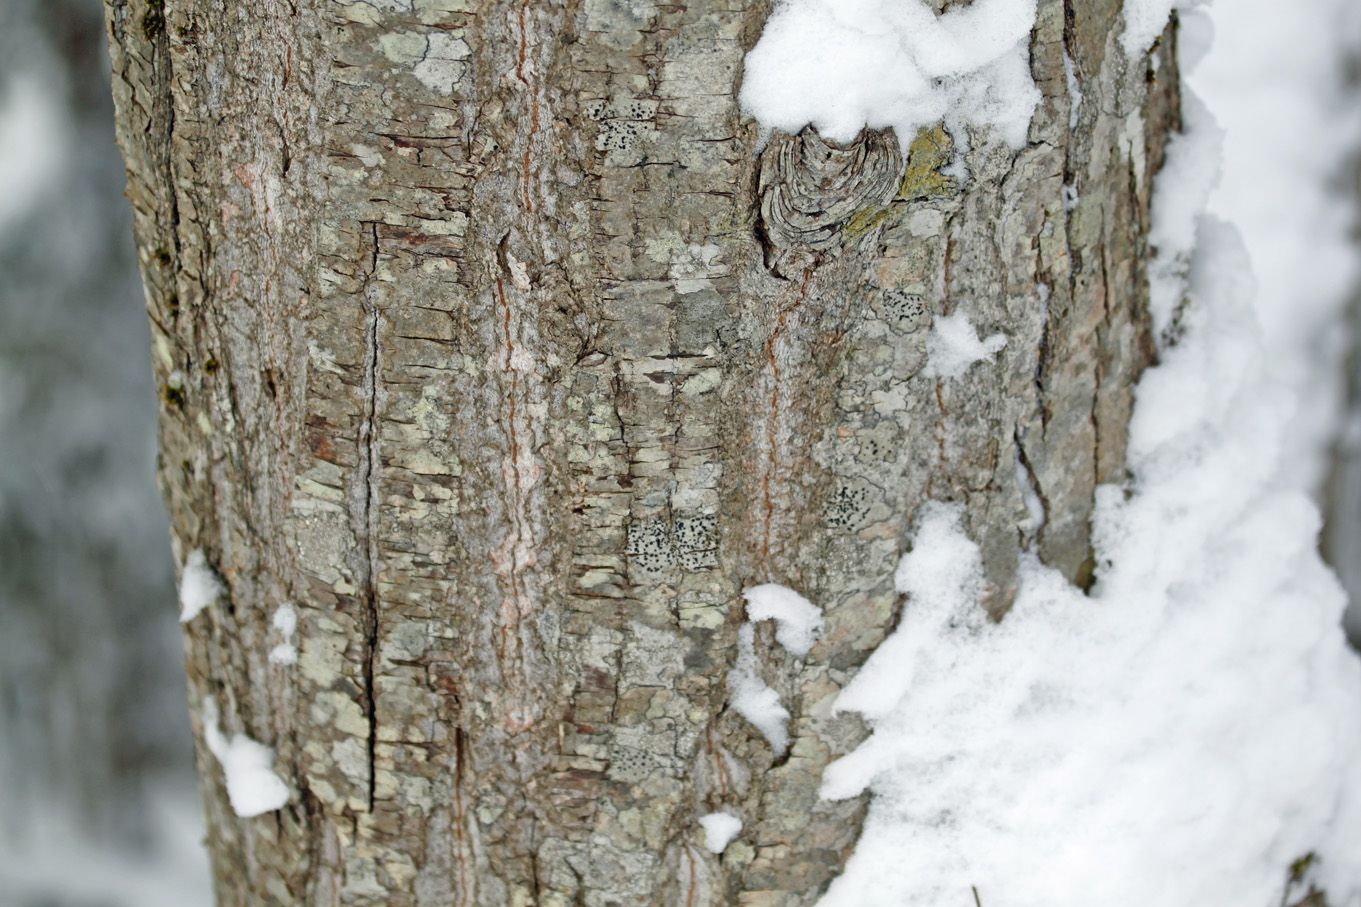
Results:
953 345
797 624
752 698
286 623
797 620
719 830
247 767
842 65
200 586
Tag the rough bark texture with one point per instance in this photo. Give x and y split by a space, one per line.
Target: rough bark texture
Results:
491 339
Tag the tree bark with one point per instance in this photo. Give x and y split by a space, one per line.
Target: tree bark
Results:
491 338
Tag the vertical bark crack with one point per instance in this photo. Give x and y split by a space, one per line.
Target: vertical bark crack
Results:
775 414
517 550
369 468
527 161
465 874
1029 481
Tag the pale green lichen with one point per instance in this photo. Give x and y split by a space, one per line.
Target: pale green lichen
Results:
927 156
866 219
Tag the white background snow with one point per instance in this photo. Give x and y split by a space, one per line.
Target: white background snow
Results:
97 792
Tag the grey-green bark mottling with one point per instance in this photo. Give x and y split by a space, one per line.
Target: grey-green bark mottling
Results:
491 339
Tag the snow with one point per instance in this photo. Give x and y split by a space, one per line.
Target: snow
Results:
247 767
283 654
1290 129
1288 198
1074 90
797 624
797 620
953 346
752 698
719 830
1030 496
1183 735
33 139
1179 738
285 622
1188 731
1180 194
200 586
1145 20
845 64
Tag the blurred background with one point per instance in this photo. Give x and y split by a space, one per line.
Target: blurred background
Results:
97 797
97 800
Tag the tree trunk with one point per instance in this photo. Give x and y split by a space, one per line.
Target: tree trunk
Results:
492 341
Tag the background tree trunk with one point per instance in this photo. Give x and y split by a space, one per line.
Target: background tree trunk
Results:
490 339
1342 493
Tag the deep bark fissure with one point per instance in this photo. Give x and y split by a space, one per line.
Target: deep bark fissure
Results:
1034 486
370 477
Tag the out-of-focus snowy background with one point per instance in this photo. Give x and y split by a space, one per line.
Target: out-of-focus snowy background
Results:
97 797
97 800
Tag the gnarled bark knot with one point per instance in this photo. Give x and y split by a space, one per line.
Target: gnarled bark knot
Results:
811 188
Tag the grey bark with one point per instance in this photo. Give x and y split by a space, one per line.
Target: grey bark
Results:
489 337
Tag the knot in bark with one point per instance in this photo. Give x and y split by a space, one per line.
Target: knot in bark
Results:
811 187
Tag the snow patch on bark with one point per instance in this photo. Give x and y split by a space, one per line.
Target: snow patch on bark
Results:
1145 20
200 585
797 624
752 698
1074 90
842 65
247 767
1180 736
719 830
1189 175
954 345
1186 733
797 620
285 622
